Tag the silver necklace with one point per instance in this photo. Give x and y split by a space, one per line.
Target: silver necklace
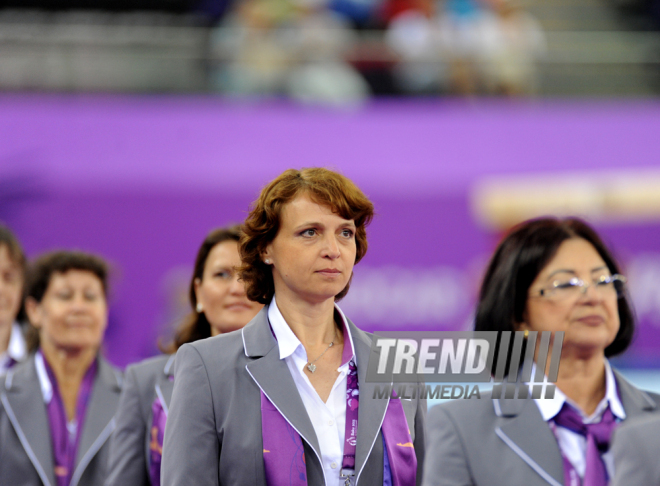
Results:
311 366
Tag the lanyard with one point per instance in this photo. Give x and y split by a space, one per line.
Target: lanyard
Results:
350 434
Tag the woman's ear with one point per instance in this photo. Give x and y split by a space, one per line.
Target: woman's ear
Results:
266 255
196 284
33 311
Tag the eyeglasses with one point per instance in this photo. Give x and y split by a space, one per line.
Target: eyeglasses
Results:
606 286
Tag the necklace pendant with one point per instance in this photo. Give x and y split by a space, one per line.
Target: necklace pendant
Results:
311 367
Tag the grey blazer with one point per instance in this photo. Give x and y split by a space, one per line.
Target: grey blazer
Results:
635 448
213 434
486 442
129 445
26 448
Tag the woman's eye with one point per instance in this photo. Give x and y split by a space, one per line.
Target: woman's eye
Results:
565 285
91 297
223 275
64 295
308 232
347 233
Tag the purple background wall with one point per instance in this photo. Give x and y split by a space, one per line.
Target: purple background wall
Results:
141 180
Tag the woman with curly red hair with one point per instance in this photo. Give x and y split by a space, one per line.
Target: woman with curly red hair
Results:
285 400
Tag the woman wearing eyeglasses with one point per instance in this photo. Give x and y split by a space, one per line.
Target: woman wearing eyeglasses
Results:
546 275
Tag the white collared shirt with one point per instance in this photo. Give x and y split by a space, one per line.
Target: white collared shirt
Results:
572 445
329 418
16 350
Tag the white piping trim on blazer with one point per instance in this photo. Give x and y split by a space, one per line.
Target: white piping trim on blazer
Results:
91 452
357 477
159 392
24 441
498 408
9 377
244 345
530 462
168 365
302 436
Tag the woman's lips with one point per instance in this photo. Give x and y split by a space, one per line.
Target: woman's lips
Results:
330 272
239 306
593 320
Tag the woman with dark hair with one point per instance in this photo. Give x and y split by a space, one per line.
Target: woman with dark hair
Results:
557 276
12 279
285 401
58 406
219 305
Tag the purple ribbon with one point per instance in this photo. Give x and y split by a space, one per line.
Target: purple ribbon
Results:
157 437
65 447
598 441
284 457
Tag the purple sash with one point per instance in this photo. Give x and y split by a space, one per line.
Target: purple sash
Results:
157 436
284 457
65 446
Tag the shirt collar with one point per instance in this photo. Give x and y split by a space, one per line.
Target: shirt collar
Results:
287 341
17 349
42 374
551 407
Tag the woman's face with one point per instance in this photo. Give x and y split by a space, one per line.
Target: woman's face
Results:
220 293
11 287
314 251
73 312
590 320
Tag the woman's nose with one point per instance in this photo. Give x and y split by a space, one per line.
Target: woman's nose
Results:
332 247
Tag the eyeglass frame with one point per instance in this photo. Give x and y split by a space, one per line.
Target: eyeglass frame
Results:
578 282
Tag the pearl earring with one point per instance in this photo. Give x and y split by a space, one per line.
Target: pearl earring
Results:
267 261
199 308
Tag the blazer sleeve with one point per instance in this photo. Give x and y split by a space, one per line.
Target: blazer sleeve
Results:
635 452
191 451
420 437
446 462
128 463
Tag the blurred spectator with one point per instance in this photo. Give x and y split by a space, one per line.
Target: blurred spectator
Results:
293 47
513 43
461 39
414 37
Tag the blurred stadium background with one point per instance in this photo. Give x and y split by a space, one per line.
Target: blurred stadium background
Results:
132 128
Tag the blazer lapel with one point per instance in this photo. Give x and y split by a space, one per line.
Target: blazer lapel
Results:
371 412
99 420
25 408
522 428
272 376
165 385
635 401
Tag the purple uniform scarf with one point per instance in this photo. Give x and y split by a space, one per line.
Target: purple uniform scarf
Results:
65 446
156 439
598 440
284 457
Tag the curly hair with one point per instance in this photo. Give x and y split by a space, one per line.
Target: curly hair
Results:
324 187
43 268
